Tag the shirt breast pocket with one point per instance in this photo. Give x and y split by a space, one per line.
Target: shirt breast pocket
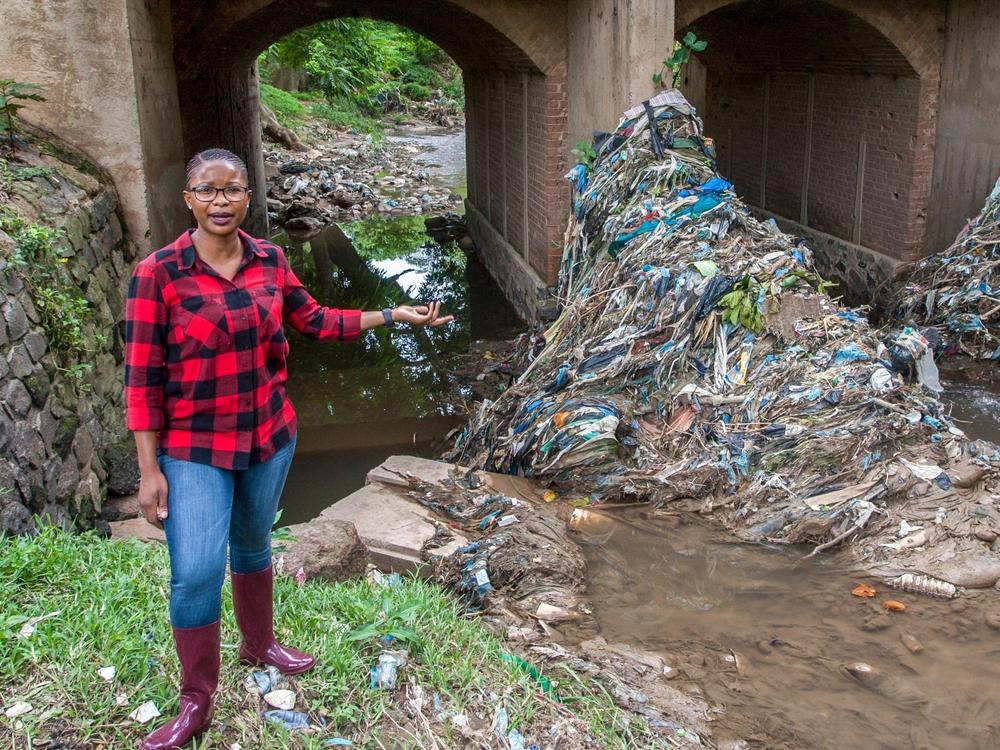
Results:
200 327
268 302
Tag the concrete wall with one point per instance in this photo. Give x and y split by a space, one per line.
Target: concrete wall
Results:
967 153
615 47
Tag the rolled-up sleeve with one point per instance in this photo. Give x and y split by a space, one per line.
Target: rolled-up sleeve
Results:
310 318
145 342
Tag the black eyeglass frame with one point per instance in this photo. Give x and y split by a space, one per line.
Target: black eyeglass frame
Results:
243 193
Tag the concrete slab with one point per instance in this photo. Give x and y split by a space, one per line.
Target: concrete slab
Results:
394 527
395 469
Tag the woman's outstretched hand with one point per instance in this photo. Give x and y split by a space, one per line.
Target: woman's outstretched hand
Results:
421 315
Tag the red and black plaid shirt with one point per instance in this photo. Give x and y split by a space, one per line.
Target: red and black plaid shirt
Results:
205 358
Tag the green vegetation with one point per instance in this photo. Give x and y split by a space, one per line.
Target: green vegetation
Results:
288 110
71 605
13 96
679 57
65 314
357 70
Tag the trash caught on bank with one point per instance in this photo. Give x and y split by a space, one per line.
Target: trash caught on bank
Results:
958 291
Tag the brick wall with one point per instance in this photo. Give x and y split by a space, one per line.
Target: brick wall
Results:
882 112
517 159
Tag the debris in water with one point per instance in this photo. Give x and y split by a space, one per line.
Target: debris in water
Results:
918 584
912 644
893 606
863 590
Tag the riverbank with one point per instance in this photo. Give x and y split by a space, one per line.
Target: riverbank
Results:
79 605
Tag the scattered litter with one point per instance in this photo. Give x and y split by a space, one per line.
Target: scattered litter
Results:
28 628
893 606
918 584
863 590
337 742
283 699
384 674
106 673
288 719
912 644
18 709
146 712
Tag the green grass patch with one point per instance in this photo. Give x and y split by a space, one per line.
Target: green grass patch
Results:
105 604
288 110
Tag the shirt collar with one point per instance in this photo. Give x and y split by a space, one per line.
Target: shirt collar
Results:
188 255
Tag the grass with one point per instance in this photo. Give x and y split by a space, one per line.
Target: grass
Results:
342 114
110 605
288 110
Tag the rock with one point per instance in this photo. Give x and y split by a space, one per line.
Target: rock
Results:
19 361
121 508
304 224
14 517
17 398
28 447
6 431
17 320
344 200
123 469
327 549
992 618
986 535
56 515
466 244
36 345
862 672
911 643
38 385
435 222
877 621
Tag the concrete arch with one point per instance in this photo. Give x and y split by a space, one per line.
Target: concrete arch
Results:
916 35
825 111
514 61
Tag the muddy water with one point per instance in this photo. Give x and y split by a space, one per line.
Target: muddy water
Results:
973 389
771 637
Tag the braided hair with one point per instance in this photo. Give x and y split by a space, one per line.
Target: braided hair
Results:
215 154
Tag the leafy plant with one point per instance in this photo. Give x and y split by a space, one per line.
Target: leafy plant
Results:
585 153
280 537
64 312
741 306
679 57
13 97
397 623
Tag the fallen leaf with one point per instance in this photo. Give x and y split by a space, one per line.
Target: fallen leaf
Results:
549 496
893 606
863 590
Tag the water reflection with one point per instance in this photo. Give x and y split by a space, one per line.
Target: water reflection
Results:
389 380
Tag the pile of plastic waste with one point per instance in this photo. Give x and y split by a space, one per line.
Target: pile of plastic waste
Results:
958 291
698 357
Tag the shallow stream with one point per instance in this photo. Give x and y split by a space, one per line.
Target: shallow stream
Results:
776 639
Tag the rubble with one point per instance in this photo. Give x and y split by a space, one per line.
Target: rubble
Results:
958 291
698 360
346 177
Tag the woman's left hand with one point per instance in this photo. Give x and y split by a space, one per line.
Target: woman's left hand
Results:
421 315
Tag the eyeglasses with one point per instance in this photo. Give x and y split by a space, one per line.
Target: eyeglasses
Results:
207 193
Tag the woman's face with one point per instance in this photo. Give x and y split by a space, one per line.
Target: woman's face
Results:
215 212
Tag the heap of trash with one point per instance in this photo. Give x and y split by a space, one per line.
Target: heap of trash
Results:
699 359
958 291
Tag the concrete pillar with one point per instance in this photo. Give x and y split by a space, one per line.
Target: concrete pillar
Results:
219 109
107 73
614 50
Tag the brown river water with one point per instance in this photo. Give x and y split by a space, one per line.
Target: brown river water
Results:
772 638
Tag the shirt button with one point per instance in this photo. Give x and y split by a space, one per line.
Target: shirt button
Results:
243 317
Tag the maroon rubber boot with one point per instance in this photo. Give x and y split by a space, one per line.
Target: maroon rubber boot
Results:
253 605
198 650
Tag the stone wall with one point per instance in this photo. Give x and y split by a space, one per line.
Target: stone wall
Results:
63 447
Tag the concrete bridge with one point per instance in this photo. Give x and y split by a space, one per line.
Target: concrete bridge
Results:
868 124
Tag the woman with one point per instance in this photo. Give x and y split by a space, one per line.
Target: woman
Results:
205 371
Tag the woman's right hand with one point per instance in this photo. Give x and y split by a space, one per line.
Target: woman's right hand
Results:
153 497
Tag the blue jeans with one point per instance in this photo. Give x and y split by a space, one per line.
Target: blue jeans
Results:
208 507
